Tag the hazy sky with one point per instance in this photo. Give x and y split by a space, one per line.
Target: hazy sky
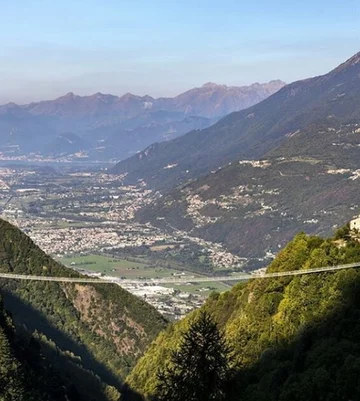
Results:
163 47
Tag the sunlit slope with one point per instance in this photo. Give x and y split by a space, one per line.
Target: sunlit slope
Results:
293 338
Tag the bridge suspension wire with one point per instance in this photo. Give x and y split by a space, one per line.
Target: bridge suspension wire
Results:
177 280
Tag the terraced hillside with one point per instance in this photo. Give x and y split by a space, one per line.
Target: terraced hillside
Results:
311 184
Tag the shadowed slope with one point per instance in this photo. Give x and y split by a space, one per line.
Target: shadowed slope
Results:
107 329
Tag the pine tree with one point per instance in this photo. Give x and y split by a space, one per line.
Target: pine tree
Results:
199 369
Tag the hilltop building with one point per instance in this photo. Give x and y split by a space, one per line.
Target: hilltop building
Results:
355 224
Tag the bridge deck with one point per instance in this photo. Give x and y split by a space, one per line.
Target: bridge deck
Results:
178 280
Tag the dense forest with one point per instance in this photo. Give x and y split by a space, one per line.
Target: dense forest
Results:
292 338
27 374
90 335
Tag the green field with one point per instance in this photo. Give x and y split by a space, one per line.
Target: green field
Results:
133 270
116 267
204 288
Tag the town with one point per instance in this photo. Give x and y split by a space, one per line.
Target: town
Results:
86 219
76 214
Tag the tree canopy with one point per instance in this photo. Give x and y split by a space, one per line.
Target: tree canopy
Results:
200 369
293 338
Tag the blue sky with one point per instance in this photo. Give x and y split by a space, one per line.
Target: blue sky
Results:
161 48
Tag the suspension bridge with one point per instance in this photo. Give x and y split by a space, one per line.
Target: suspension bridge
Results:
178 279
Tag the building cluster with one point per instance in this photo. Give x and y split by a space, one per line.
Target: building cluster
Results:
168 301
84 212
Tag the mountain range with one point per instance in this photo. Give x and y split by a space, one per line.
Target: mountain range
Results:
260 175
107 127
253 132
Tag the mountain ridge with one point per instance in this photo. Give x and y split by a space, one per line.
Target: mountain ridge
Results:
252 132
102 96
115 127
290 163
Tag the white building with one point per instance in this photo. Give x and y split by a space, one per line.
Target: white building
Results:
355 224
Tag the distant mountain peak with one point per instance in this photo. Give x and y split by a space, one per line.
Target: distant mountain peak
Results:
275 82
103 97
129 95
355 59
70 95
352 61
11 105
251 133
211 85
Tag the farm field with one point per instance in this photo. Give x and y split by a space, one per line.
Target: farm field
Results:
117 267
204 288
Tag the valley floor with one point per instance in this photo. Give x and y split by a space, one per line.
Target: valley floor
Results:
85 219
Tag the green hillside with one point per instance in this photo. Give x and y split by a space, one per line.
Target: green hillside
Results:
293 338
91 333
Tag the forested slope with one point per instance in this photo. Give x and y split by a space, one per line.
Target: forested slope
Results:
27 373
90 334
293 338
13 369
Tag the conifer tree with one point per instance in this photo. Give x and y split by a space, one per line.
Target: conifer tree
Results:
199 370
